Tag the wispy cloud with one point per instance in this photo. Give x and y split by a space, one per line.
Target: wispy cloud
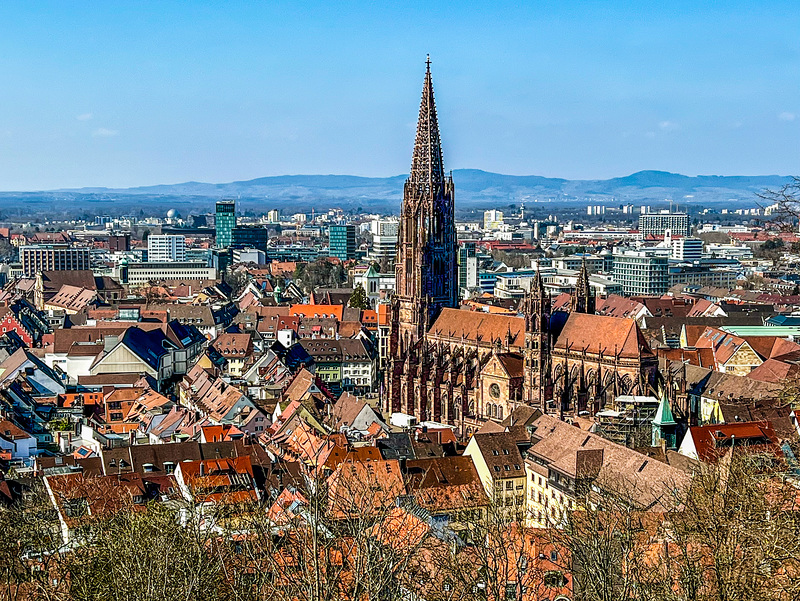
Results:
668 126
84 117
787 116
102 132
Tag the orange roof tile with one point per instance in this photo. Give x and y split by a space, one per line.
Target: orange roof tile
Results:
479 327
598 334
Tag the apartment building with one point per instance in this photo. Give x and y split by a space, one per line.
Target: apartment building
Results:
53 257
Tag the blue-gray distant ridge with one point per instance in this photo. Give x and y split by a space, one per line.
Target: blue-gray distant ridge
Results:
475 189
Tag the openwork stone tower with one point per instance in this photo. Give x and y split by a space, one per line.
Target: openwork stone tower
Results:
425 268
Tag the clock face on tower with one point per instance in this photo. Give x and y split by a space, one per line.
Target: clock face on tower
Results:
494 391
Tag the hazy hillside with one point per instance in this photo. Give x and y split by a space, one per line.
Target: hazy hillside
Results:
474 189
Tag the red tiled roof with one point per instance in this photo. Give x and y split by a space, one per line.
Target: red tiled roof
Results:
318 311
231 345
598 334
619 306
713 441
774 371
480 327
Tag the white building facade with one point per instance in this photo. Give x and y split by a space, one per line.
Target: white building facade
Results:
166 248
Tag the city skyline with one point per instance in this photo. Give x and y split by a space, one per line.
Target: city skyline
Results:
167 93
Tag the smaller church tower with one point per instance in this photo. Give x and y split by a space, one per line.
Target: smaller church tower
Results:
535 308
583 299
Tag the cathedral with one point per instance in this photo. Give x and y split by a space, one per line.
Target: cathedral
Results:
463 367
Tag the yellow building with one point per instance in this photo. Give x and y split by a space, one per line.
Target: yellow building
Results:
500 467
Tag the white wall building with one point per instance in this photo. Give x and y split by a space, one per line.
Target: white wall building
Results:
492 219
687 249
384 239
142 273
166 248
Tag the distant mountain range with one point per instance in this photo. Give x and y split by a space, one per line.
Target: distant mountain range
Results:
474 185
474 189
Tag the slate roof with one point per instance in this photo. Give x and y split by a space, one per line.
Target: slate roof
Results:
150 346
64 338
184 335
294 357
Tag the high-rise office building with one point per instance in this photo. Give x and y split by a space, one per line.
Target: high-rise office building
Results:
687 249
384 240
657 224
342 242
53 257
225 221
250 236
641 272
166 248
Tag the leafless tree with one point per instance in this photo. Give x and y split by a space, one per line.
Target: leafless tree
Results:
783 204
29 548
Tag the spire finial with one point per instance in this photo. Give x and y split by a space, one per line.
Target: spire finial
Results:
427 169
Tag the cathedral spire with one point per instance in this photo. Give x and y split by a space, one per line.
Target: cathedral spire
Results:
427 167
583 299
426 273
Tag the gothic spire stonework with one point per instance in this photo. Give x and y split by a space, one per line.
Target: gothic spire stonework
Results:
425 268
583 299
427 166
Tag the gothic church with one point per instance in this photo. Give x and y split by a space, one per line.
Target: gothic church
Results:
462 367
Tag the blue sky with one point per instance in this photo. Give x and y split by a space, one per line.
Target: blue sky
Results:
137 93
